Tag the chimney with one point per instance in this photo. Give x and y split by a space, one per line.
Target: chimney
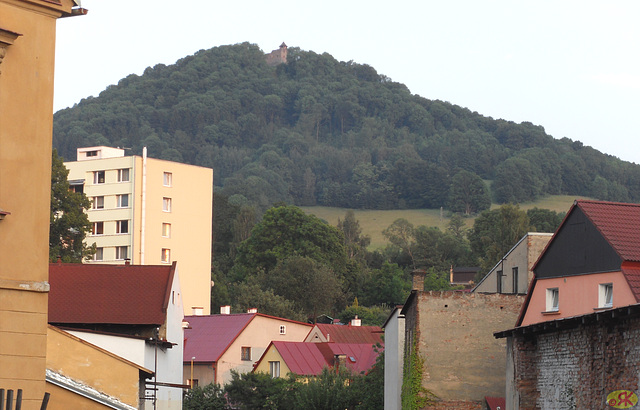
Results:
197 310
418 279
252 310
356 322
225 310
127 262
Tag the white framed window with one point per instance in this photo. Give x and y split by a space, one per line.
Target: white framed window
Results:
605 295
274 369
122 226
123 175
167 179
98 202
553 300
166 255
122 201
166 204
98 177
245 353
166 230
99 255
98 228
122 252
283 329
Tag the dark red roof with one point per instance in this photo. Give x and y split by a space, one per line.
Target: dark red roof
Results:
208 337
631 272
308 359
351 334
619 223
495 403
109 294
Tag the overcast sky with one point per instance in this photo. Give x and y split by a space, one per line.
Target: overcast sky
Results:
571 66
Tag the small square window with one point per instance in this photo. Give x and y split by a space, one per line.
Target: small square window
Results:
167 179
98 177
166 230
98 202
122 252
246 353
605 295
123 175
283 330
166 204
274 369
122 200
122 226
553 300
98 228
166 255
99 255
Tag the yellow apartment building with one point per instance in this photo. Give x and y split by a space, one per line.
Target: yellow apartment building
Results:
151 212
27 49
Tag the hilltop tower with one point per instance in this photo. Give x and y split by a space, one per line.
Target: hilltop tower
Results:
278 56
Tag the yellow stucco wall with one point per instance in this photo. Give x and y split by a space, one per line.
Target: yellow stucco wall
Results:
272 355
95 367
62 399
26 115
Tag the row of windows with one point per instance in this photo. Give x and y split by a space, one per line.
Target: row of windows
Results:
123 176
605 297
122 201
123 227
122 253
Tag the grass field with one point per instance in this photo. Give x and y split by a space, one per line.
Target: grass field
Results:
373 222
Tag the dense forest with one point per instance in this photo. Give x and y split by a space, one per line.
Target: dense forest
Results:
317 131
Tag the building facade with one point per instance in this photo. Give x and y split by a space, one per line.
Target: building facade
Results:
151 212
27 49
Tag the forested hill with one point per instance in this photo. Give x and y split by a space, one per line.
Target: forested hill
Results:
317 131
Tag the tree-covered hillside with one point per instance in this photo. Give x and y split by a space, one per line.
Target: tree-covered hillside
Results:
317 131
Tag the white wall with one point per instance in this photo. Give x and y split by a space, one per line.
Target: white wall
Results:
393 360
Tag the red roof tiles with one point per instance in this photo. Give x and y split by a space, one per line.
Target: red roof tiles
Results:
109 294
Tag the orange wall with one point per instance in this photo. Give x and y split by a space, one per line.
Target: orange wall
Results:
578 295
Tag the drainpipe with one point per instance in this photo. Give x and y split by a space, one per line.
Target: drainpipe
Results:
144 204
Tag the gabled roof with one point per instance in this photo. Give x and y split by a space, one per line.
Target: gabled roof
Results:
109 294
350 334
308 359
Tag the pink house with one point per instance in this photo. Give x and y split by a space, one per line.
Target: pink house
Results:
592 263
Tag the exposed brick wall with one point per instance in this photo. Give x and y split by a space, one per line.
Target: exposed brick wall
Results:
577 367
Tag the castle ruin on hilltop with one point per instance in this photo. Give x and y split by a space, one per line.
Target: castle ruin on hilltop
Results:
278 56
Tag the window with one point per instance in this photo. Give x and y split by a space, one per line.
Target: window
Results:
167 179
92 153
605 295
123 175
166 204
166 230
123 200
98 202
98 228
283 330
166 255
98 177
122 226
121 252
553 300
246 353
274 369
499 278
99 255
514 272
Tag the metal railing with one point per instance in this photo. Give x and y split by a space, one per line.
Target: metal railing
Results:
18 401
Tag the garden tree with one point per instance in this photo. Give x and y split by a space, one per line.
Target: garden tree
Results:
313 287
389 285
249 391
287 231
371 386
457 227
370 316
401 235
434 248
355 243
495 232
330 390
438 280
544 220
250 294
69 223
468 193
209 397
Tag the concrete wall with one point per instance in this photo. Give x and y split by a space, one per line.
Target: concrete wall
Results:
576 367
393 360
454 333
26 117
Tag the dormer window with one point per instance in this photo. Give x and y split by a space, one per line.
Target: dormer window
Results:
605 295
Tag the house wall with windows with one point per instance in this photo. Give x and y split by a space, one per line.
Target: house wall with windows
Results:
150 211
27 51
272 356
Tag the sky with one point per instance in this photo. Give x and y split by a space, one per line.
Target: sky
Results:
572 67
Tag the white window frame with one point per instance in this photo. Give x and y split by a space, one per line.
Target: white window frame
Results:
119 226
122 174
553 300
166 204
96 177
166 230
99 255
96 202
119 202
166 255
119 251
605 295
274 369
94 228
283 329
167 179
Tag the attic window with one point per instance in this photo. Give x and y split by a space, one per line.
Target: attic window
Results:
245 353
605 295
553 300
283 330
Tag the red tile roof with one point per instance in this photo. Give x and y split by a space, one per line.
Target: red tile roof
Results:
631 272
109 294
495 403
619 223
351 334
208 337
308 359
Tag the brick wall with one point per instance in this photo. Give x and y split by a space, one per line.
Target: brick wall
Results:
575 367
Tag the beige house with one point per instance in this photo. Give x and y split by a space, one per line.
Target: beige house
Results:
27 45
216 344
151 212
513 273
